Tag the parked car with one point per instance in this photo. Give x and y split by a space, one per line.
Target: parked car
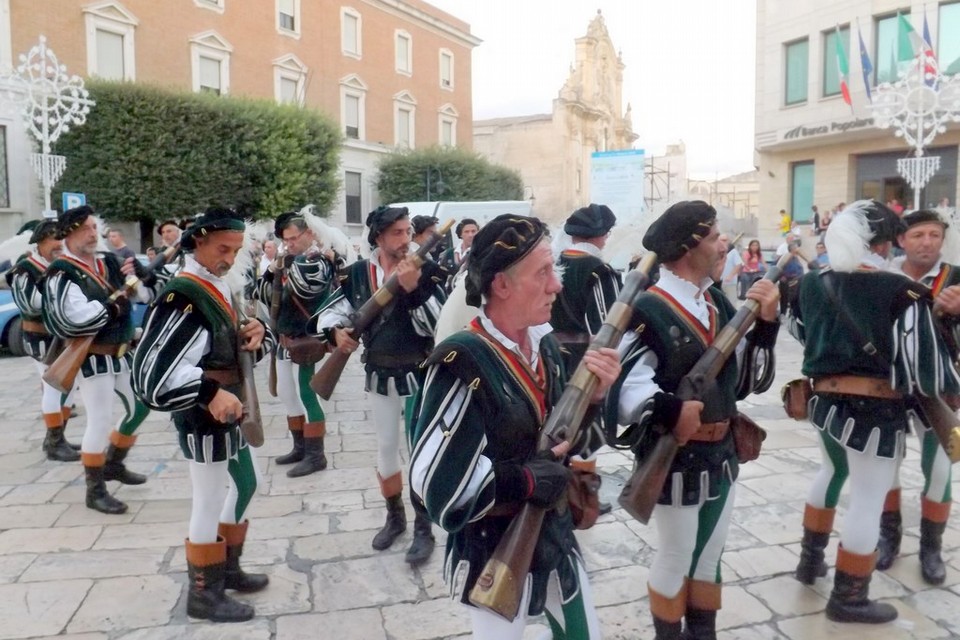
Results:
11 332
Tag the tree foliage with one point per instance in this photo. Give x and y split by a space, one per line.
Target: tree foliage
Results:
464 175
147 153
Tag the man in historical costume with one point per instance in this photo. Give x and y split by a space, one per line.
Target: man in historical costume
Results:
452 259
922 242
870 341
77 303
395 346
488 390
26 285
423 227
188 363
308 277
675 321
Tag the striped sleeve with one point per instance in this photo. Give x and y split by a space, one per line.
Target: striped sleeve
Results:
603 293
425 315
448 471
26 295
166 375
310 277
921 359
67 311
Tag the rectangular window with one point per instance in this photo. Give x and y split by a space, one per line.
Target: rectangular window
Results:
4 178
288 91
109 55
885 51
831 68
403 128
948 40
801 191
446 133
351 108
446 70
795 71
209 75
403 53
351 34
287 15
354 201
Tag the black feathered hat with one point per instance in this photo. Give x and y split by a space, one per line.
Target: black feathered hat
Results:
884 223
422 223
679 229
284 220
592 221
502 242
72 219
381 218
42 230
213 219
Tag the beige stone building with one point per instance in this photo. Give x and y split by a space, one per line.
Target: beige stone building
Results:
813 148
393 73
552 151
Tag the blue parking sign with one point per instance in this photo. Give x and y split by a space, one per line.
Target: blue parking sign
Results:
73 200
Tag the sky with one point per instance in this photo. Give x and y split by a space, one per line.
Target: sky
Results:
689 68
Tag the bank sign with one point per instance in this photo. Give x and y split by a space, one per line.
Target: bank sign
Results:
811 131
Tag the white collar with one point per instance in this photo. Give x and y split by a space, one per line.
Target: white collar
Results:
70 254
535 334
191 266
586 247
896 266
681 288
874 261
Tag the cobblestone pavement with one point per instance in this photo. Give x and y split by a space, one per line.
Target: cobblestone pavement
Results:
70 572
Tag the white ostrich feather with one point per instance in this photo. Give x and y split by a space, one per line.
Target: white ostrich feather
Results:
328 237
848 237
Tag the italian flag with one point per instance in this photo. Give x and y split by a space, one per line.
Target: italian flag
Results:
911 44
843 68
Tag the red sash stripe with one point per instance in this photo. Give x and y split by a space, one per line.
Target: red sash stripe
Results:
532 382
39 265
941 279
214 293
706 335
101 268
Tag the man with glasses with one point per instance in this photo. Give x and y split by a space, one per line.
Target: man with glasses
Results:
396 345
305 280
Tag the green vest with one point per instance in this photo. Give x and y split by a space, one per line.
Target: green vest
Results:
189 295
118 330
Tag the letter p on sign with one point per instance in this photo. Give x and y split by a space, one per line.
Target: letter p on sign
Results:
73 200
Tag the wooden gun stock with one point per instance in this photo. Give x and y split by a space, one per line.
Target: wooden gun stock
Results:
62 374
500 585
642 490
251 424
276 296
56 348
943 420
325 380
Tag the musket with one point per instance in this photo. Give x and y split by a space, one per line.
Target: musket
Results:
642 490
276 296
500 585
251 423
65 364
325 380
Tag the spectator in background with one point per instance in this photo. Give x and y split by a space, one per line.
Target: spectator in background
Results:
169 232
151 253
120 248
822 260
816 220
269 255
753 268
732 266
792 272
785 222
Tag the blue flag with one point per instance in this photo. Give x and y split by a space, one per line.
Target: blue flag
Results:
865 64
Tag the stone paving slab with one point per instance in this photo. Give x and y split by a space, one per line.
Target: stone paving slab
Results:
64 569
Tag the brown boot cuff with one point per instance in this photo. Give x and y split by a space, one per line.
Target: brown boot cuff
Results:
121 441
53 420
589 466
93 459
392 486
204 555
934 511
703 595
65 413
855 564
892 502
818 520
668 609
295 423
315 429
233 534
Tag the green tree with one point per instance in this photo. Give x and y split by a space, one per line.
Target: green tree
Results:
465 175
146 154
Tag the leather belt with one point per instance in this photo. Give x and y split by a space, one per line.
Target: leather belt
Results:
501 509
115 350
569 337
32 326
392 362
856 386
711 431
225 377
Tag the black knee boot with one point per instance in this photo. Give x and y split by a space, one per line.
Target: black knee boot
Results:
114 469
812 564
295 424
314 458
851 585
701 625
206 565
931 541
423 540
664 630
395 525
98 498
891 533
57 448
234 577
